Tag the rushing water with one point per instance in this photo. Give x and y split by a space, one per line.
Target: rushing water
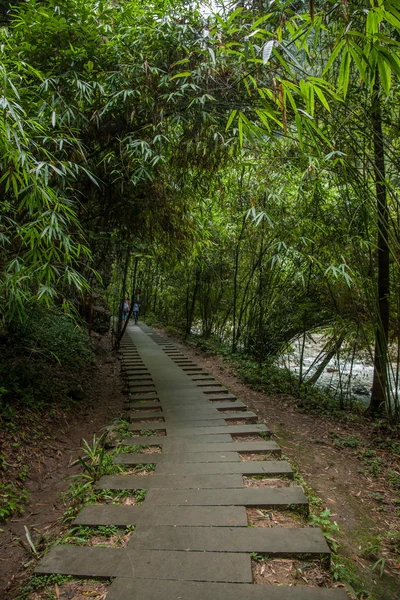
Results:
351 377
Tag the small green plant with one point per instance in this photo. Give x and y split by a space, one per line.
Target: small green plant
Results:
12 500
38 582
394 479
140 496
350 441
257 557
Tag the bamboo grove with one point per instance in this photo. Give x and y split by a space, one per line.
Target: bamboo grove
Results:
238 163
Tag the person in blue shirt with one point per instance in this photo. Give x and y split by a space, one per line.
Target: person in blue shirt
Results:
136 308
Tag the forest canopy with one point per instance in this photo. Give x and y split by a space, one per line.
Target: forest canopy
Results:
238 163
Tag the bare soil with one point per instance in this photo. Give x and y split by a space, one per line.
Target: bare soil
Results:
245 456
355 489
290 572
73 590
258 517
47 457
254 482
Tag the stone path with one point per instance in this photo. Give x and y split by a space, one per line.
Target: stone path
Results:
192 539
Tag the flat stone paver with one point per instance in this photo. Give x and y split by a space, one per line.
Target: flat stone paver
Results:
213 429
252 447
250 467
192 457
113 562
250 497
275 541
143 589
182 516
172 482
186 417
82 561
160 440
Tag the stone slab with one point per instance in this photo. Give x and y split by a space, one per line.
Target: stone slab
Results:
254 447
181 406
140 415
227 416
220 397
162 564
81 561
176 426
159 440
275 541
192 457
213 429
143 589
250 467
182 516
169 482
250 497
191 566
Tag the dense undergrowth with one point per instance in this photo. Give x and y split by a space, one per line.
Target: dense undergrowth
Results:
43 364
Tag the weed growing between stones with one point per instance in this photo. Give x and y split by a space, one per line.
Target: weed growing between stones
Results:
106 536
59 587
156 432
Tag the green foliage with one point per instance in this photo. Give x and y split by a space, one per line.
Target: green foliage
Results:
12 500
350 441
39 361
38 582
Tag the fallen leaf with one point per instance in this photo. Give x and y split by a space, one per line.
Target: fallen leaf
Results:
57 590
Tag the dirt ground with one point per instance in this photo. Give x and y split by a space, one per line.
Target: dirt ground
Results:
47 459
363 506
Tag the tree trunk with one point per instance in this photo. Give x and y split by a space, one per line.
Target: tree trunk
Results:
379 395
121 335
190 316
320 369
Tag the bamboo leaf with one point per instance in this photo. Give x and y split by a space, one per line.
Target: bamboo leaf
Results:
267 50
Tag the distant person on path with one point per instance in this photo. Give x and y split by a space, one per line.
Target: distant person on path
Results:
125 309
136 308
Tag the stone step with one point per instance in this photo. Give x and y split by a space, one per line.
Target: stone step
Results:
170 445
219 398
81 561
249 497
169 482
248 467
213 429
174 446
275 541
228 416
144 589
141 458
204 428
140 416
183 516
159 440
